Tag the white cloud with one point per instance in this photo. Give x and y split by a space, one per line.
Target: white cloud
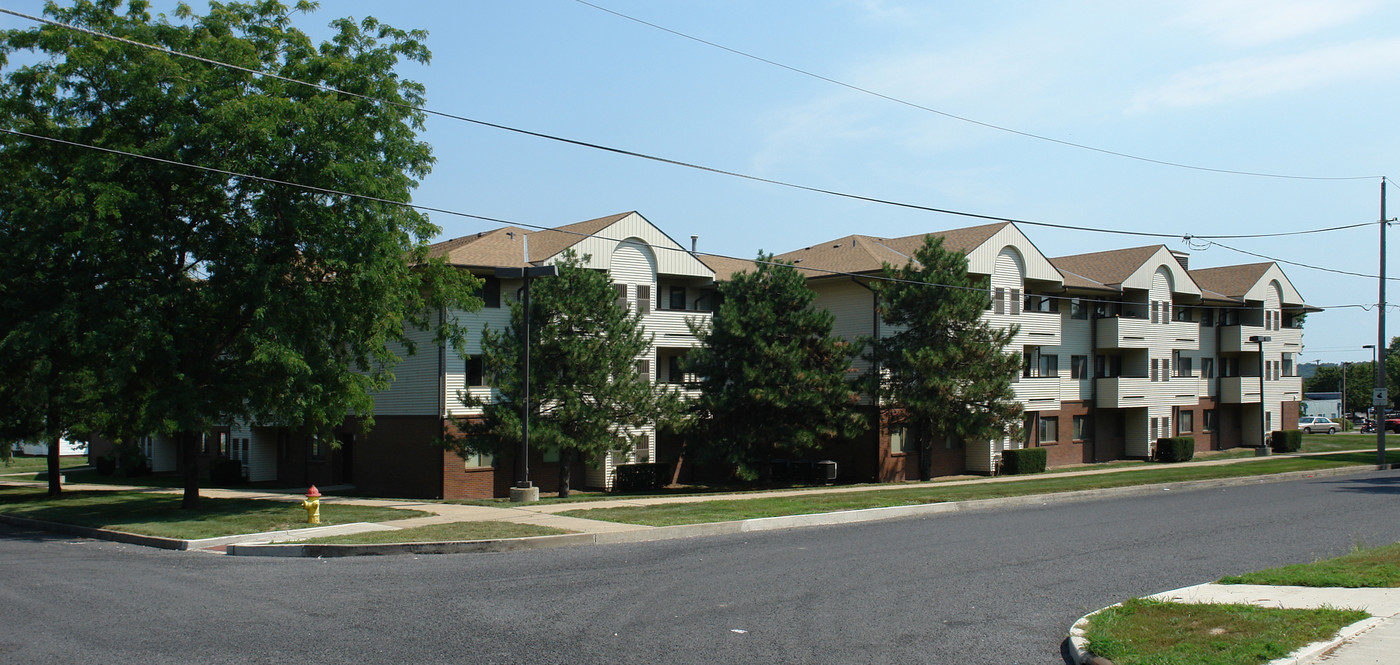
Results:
1258 22
1250 78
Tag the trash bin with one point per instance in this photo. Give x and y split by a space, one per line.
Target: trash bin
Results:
826 471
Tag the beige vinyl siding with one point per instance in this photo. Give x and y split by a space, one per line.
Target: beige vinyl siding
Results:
160 453
671 258
415 390
497 319
261 460
852 309
984 259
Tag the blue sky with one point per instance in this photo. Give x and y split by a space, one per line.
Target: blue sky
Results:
1298 87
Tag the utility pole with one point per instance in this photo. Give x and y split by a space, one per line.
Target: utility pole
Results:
1381 399
1343 414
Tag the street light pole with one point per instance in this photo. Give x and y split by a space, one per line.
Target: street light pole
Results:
1263 449
524 490
1376 411
1343 414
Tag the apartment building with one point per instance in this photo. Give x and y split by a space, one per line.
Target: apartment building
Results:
1120 348
652 274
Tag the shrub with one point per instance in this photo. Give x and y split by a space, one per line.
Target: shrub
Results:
132 462
1344 423
106 465
225 471
1286 441
633 477
1022 461
1176 449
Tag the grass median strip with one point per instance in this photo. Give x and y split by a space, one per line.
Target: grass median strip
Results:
1143 631
440 533
154 514
1376 567
778 506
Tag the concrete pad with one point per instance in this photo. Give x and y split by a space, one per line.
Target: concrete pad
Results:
1378 644
1378 602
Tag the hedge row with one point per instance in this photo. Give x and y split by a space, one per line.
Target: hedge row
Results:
1286 441
1176 449
632 477
1023 460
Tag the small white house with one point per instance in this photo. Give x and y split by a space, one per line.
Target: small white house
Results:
66 448
1327 405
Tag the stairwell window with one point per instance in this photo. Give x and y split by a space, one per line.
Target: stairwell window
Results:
1208 420
1081 428
999 301
1079 367
643 299
476 371
1049 429
1184 422
621 290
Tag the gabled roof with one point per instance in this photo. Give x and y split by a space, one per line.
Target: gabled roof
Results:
1104 269
863 254
1131 268
598 239
1249 282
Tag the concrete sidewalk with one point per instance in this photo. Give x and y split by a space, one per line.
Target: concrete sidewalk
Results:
1373 641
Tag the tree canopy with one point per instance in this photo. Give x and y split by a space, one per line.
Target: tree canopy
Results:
773 380
198 296
588 395
944 371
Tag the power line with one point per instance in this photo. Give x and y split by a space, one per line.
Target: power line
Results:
664 160
1208 245
334 192
1000 128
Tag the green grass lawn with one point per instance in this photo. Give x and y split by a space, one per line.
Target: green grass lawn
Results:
37 464
154 514
1376 567
774 506
1143 632
440 533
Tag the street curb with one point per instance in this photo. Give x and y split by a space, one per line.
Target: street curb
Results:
761 524
100 534
1080 653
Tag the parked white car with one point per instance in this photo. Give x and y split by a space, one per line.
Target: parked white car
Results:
1317 424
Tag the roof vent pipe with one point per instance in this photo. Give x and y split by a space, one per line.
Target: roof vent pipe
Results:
694 242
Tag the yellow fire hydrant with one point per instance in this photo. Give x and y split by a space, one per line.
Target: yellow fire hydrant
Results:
312 504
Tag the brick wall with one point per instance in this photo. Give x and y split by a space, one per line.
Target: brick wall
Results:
1066 449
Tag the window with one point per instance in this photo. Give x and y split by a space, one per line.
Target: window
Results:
477 461
1166 369
643 449
1154 311
1049 429
1183 365
1015 302
1207 368
1152 429
491 292
677 297
1078 310
1108 366
1208 420
1081 428
1288 364
1050 365
318 448
621 290
643 299
1166 430
644 368
476 372
999 301
1268 421
1182 314
1153 375
1184 422
1079 367
898 440
1207 318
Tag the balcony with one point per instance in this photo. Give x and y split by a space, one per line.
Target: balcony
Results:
670 327
1126 392
1245 389
1038 393
1037 329
1235 339
1131 333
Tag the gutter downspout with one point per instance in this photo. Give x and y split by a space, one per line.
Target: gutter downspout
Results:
1094 381
1217 434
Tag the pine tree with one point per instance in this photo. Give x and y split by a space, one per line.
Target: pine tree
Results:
773 379
587 395
944 372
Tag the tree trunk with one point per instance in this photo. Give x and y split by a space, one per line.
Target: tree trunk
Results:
189 450
676 470
925 457
566 460
55 487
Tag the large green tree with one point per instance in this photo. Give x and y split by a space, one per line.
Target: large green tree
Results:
1360 381
773 380
944 371
587 394
220 294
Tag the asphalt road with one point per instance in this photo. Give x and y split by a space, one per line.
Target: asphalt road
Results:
988 587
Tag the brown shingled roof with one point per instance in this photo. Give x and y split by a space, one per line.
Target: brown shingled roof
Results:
489 248
547 243
1109 268
866 254
726 267
1232 281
